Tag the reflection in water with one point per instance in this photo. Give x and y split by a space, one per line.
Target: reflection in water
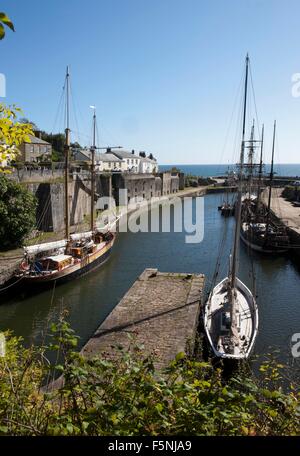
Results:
90 299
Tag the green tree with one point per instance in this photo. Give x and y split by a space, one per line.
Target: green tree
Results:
17 213
24 120
4 20
12 133
58 143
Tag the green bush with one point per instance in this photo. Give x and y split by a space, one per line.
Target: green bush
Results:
126 395
17 213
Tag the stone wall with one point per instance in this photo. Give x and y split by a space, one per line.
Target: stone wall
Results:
137 185
51 201
34 175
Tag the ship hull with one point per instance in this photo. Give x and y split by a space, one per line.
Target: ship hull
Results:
90 263
248 325
259 247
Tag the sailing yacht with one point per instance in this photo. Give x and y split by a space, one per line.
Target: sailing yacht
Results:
231 313
77 253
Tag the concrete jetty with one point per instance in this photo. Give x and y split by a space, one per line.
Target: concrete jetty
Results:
161 309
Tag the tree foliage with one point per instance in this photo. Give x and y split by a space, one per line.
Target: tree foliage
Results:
12 133
17 213
58 143
126 395
5 21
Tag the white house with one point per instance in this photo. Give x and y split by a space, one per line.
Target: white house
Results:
147 165
109 162
132 161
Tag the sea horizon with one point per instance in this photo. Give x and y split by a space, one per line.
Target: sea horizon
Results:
206 170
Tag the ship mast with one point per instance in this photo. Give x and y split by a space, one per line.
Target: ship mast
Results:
250 161
271 181
260 168
67 154
93 148
234 266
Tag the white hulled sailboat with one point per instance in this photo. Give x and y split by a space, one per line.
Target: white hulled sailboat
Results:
231 314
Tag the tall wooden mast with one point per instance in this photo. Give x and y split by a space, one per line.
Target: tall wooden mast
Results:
234 265
271 181
260 169
93 149
67 155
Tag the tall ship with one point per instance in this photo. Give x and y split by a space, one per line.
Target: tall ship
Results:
231 313
259 229
77 253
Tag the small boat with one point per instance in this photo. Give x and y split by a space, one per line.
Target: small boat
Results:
231 313
231 321
227 209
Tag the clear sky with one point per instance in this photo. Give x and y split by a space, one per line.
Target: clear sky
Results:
163 74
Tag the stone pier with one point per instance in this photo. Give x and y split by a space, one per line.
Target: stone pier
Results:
161 309
288 214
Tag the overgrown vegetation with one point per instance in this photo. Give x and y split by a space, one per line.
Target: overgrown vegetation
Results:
195 181
126 396
291 192
17 213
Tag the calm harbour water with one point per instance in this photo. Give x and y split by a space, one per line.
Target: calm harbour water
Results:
90 299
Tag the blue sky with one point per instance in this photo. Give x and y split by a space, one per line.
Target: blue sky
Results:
163 74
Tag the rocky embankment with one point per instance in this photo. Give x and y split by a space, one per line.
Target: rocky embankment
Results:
9 264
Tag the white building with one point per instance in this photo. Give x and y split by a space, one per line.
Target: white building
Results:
109 162
132 161
148 166
121 161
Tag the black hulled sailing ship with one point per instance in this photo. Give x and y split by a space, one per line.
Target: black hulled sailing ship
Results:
259 229
77 253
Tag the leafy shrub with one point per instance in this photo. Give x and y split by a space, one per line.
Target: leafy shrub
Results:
126 395
17 213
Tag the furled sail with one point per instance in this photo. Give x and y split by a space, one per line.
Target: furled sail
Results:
78 236
34 249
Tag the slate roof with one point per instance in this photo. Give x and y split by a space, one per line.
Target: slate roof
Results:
36 140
